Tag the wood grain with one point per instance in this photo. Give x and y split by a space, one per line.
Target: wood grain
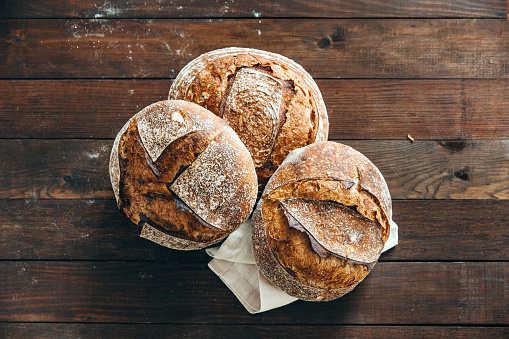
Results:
73 108
95 230
127 331
394 293
425 109
70 169
77 230
358 109
460 169
245 8
32 168
449 48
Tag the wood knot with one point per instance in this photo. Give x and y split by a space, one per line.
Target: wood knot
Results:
338 35
463 174
324 42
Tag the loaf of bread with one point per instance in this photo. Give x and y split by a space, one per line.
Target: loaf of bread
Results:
183 175
322 222
269 100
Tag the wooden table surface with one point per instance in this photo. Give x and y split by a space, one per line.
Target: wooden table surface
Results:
72 73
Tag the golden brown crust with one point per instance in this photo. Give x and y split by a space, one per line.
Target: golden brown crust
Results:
144 197
335 229
272 269
145 191
327 172
330 160
219 184
276 93
164 239
252 108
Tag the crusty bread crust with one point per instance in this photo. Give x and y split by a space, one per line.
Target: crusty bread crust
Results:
324 172
331 160
272 269
333 228
275 114
160 153
164 239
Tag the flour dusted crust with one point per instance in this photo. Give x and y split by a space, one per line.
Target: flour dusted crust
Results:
166 166
319 184
272 269
336 229
114 167
272 103
165 122
215 187
261 94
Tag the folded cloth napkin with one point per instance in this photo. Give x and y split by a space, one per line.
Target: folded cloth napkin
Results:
235 264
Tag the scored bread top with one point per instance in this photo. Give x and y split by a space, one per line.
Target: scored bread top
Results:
175 165
215 185
331 160
334 228
180 86
159 124
269 100
257 96
321 222
165 121
279 275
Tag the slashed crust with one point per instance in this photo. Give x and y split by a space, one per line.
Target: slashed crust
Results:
218 185
334 229
331 160
252 108
324 172
164 239
208 79
272 269
145 165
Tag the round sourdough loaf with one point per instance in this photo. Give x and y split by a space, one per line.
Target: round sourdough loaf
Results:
182 174
322 222
272 103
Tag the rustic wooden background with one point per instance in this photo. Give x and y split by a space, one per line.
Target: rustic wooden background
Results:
72 72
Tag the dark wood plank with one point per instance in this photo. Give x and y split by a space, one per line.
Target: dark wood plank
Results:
358 109
32 168
70 168
73 108
394 293
459 169
326 48
425 109
33 229
246 8
95 230
126 331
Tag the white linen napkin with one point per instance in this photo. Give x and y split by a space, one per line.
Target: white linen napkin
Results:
235 265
